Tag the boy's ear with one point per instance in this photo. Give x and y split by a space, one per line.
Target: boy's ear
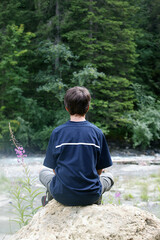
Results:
66 109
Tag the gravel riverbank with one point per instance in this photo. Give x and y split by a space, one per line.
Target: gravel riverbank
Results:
137 180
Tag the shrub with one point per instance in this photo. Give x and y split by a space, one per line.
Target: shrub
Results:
144 124
141 134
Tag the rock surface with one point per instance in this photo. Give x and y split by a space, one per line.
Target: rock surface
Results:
94 222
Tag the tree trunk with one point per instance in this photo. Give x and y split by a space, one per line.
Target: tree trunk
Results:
57 38
90 22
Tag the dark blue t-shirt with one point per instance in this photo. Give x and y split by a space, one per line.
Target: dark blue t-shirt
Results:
76 151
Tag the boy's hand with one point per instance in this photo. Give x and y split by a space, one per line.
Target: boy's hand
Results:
99 171
54 171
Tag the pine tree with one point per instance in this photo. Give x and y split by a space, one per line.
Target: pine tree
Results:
147 40
13 69
100 33
18 12
112 98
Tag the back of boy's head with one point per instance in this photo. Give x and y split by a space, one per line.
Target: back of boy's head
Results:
77 100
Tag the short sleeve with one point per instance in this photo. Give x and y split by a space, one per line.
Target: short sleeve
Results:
104 160
50 159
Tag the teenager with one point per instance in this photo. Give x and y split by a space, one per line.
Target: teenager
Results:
76 155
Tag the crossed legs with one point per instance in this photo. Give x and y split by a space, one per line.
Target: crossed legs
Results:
47 174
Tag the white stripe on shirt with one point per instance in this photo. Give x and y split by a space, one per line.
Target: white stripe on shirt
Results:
80 143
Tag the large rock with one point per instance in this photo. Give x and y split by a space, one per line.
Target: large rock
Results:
94 222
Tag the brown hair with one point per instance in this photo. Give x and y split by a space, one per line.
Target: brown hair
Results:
77 100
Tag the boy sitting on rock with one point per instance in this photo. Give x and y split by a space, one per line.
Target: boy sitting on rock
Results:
77 152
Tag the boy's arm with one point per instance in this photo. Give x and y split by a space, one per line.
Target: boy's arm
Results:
50 160
104 159
54 171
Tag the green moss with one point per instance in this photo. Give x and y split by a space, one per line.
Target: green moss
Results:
128 196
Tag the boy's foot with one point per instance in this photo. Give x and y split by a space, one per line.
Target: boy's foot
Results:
44 200
49 196
99 201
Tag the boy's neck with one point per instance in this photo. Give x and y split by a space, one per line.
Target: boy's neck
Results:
77 118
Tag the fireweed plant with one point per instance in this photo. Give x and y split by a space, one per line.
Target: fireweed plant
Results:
118 198
22 192
112 199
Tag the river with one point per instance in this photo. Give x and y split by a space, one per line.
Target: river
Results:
137 182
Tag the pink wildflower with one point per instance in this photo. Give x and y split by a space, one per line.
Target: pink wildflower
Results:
117 194
20 154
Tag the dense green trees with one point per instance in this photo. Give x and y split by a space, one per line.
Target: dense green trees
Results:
112 47
100 33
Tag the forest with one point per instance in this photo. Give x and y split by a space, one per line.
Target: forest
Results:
112 47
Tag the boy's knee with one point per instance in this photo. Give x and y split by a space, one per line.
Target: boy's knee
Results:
107 181
45 175
108 175
41 173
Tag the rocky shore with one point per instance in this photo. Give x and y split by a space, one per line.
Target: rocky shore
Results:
94 222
